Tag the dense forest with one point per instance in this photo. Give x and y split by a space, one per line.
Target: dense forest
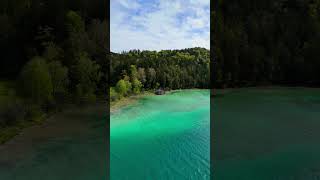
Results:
135 71
53 52
266 42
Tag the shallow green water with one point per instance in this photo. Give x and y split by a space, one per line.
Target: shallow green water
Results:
72 147
162 137
266 134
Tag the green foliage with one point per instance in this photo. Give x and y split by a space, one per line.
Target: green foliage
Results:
157 85
136 86
35 81
128 84
271 41
7 89
53 52
78 40
133 73
71 38
59 77
173 69
129 87
122 87
113 94
12 110
74 22
34 113
98 38
86 74
26 26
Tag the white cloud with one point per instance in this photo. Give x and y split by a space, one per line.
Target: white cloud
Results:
196 23
129 4
170 24
200 2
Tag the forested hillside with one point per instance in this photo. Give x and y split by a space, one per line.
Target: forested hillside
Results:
137 70
27 24
266 42
53 52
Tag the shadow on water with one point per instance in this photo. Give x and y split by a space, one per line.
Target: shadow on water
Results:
267 134
69 145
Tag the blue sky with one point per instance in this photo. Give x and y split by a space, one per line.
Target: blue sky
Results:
159 24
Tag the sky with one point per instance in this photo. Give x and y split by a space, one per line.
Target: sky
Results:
159 24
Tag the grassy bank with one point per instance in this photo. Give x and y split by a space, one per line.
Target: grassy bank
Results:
7 133
11 122
116 105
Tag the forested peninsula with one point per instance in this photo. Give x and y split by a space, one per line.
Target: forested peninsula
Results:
136 71
53 54
266 42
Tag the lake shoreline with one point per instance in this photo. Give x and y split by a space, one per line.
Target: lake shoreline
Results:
9 133
125 101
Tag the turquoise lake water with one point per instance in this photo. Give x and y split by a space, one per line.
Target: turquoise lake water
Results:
266 134
162 137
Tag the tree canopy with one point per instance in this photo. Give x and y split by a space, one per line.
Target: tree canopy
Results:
27 24
173 69
54 52
36 81
267 41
